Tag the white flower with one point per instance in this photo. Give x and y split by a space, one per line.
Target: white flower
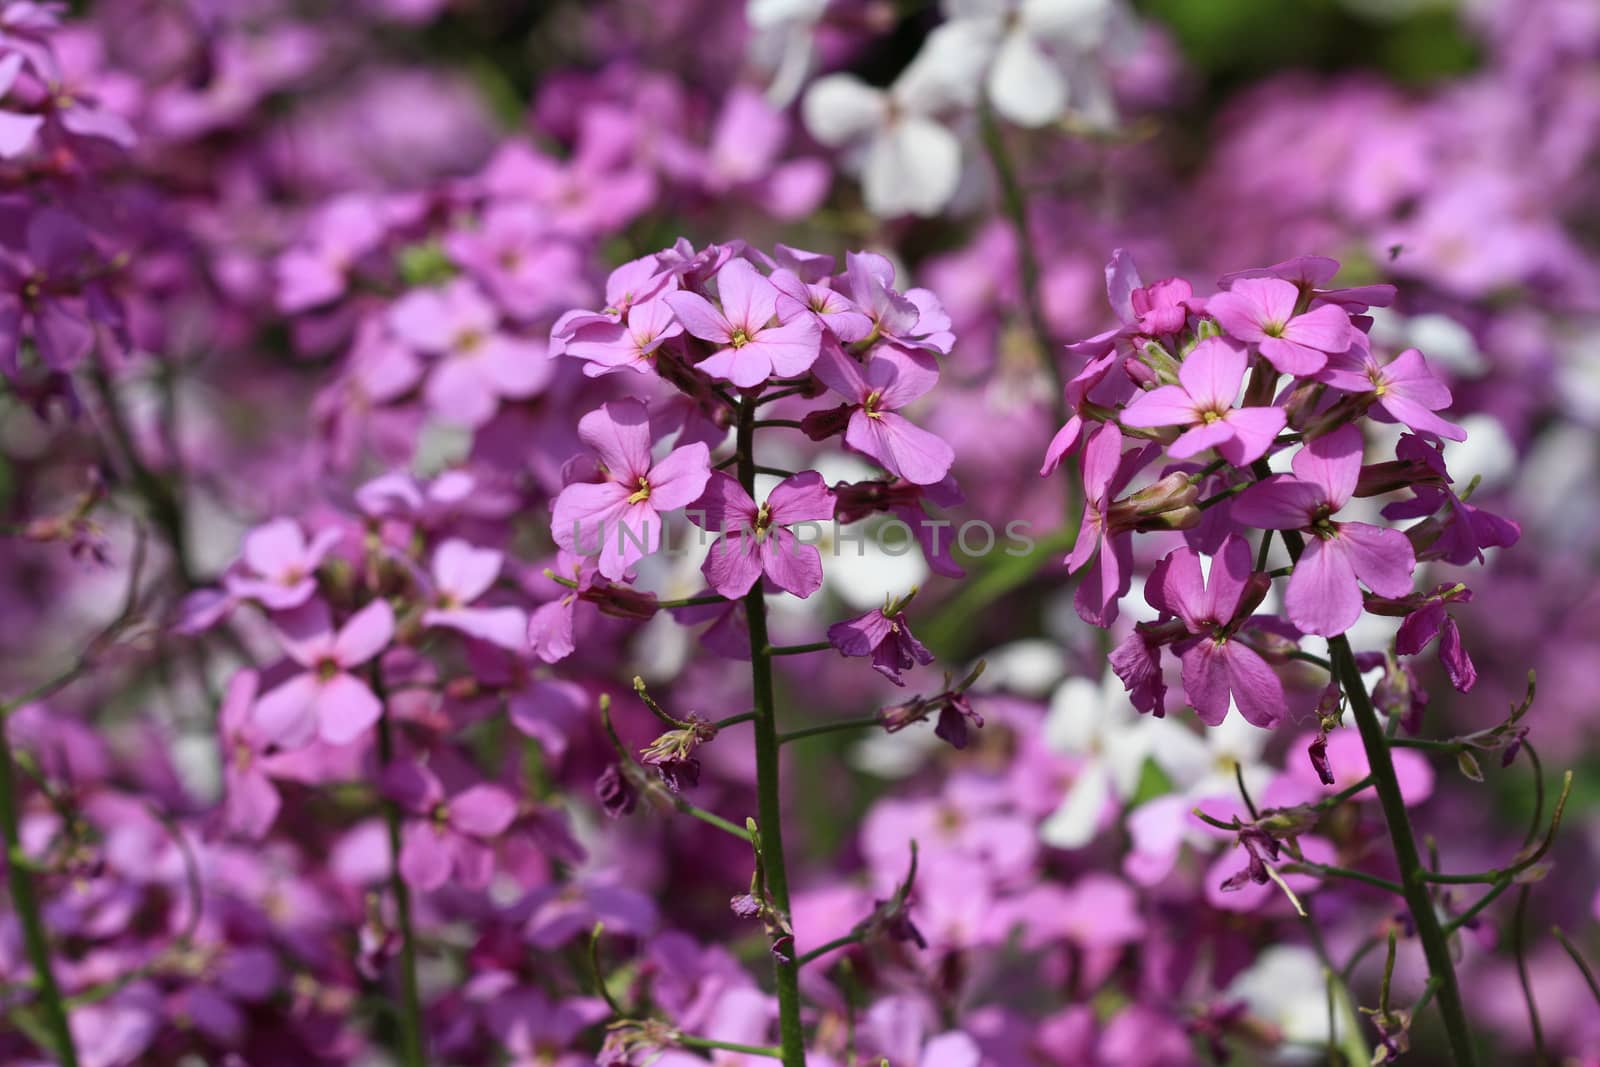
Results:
1099 725
782 41
909 161
1043 55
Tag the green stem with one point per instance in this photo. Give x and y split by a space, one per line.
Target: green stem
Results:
728 1046
166 509
799 650
411 1045
1413 875
852 938
1015 202
26 905
768 792
1435 946
829 728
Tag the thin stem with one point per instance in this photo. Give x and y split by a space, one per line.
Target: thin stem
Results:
1414 887
1350 874
799 650
691 601
26 905
1015 202
729 1046
852 938
411 1046
829 728
1519 948
1435 946
166 509
710 818
768 787
734 720
1578 960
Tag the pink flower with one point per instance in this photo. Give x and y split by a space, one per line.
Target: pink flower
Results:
1092 378
755 349
1405 390
317 271
756 541
609 345
1431 620
1324 595
462 574
620 518
1107 470
885 637
326 700
1309 274
876 392
282 564
1217 666
1262 312
250 800
834 311
1210 377
447 835
913 319
480 365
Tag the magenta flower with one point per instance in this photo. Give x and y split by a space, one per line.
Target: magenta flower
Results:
1324 595
43 294
250 800
480 364
447 835
1430 620
327 699
1405 390
619 519
609 345
1107 470
1210 377
755 348
317 271
462 574
834 311
1077 391
1262 312
756 540
883 635
512 253
282 564
875 393
1217 666
17 129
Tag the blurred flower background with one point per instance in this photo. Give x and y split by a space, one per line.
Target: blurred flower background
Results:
312 307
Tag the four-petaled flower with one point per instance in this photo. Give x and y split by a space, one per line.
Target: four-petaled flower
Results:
1324 595
1209 380
756 540
755 347
1262 312
619 519
326 699
1216 664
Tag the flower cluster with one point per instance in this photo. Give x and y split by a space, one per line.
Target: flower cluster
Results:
1173 380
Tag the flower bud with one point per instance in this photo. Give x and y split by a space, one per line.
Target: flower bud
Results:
1161 362
1165 505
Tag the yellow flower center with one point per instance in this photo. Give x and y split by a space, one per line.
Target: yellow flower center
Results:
642 493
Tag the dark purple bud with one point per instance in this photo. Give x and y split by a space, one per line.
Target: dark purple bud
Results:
1318 751
821 425
616 794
